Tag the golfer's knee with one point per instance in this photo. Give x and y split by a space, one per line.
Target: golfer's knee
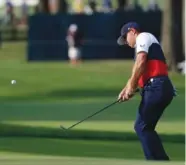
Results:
139 127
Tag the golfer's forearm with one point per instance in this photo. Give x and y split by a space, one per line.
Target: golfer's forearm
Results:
136 74
138 69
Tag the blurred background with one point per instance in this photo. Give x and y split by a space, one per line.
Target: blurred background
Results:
66 62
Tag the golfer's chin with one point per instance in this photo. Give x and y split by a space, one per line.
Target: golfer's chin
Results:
131 46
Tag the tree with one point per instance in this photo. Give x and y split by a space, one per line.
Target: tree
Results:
172 40
172 32
177 31
166 34
183 26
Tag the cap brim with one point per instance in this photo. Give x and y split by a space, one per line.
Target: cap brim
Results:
121 41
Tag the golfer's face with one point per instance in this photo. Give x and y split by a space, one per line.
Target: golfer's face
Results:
130 38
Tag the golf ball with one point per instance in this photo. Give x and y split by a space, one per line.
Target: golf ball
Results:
13 82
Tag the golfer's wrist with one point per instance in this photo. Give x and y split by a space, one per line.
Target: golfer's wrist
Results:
132 83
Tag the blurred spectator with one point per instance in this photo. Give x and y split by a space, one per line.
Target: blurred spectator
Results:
107 5
137 6
78 6
9 7
53 6
9 17
121 5
37 9
133 6
88 10
74 40
91 8
24 13
129 6
153 5
56 6
93 5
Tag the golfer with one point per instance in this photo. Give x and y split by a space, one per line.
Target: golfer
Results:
151 75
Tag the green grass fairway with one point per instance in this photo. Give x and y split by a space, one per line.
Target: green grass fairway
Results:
48 94
30 160
81 148
114 126
79 161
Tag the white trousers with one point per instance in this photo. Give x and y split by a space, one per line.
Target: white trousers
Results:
74 53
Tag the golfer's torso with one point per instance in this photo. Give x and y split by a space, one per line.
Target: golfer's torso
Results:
156 63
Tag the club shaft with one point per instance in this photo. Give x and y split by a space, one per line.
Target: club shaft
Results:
93 114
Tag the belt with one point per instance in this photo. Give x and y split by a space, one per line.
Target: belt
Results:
152 79
159 78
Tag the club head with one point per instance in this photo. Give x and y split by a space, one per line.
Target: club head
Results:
63 128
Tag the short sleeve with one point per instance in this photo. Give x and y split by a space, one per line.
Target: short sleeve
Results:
143 43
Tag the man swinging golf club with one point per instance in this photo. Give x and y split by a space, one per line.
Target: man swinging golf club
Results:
150 73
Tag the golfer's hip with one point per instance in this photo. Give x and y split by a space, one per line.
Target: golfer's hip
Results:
160 86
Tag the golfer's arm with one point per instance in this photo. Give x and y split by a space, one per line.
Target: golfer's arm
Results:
138 69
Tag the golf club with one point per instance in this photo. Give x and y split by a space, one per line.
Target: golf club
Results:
89 116
65 129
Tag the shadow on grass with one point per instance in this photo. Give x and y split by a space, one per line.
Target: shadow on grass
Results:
76 93
9 130
80 93
56 142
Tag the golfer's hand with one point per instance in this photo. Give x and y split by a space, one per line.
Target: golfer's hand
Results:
126 94
121 95
129 92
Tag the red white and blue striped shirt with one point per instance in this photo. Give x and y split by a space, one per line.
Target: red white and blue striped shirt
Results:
156 62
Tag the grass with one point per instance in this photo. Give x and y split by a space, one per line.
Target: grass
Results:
53 93
42 160
82 148
113 126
